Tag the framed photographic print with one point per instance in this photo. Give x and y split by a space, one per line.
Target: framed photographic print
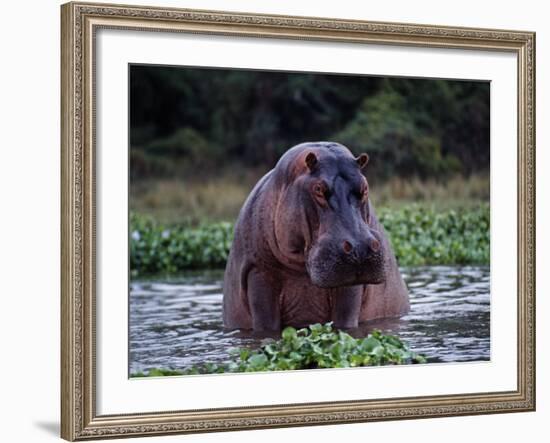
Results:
282 221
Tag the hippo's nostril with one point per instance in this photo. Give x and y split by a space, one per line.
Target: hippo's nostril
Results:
374 245
347 246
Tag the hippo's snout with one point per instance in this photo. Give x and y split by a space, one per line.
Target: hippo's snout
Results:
346 262
362 250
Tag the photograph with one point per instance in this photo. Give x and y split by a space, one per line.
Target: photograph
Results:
286 220
274 221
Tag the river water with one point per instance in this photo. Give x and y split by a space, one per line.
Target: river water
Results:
177 323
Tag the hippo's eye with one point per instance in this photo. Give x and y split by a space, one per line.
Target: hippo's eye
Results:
320 191
362 194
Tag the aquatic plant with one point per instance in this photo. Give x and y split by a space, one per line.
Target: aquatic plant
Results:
155 248
419 235
423 236
157 372
317 346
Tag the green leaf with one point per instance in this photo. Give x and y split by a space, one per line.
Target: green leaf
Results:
308 350
257 360
289 333
378 351
244 353
317 327
370 343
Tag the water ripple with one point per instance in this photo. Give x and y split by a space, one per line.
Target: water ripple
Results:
178 322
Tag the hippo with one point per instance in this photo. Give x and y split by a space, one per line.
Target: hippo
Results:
308 247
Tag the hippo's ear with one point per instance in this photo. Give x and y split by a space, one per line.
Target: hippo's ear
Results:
362 160
311 161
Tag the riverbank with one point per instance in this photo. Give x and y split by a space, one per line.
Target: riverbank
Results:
420 235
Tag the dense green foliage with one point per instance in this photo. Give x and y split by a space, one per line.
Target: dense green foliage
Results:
155 248
317 346
423 236
190 121
419 236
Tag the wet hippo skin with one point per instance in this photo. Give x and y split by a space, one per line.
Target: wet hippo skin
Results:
308 247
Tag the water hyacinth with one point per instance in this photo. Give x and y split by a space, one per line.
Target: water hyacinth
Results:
422 236
315 347
419 236
156 249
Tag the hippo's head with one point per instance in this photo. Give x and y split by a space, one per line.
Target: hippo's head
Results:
323 215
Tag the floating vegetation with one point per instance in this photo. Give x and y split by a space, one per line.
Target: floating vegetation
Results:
317 346
419 236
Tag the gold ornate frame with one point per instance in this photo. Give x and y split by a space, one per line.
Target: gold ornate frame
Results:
79 22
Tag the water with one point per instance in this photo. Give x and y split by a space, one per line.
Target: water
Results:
177 323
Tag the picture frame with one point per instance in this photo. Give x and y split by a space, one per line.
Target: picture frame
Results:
80 23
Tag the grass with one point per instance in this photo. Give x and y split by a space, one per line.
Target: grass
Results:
193 200
315 347
420 235
197 200
454 193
